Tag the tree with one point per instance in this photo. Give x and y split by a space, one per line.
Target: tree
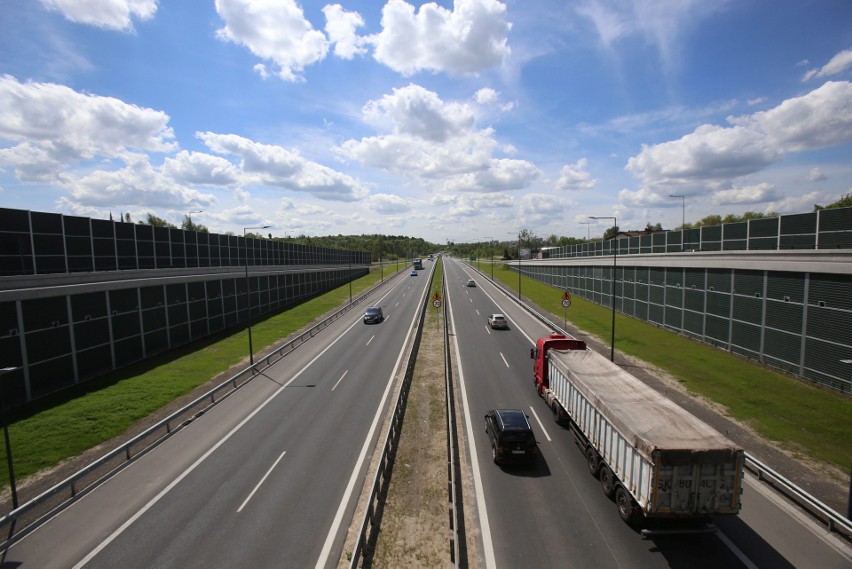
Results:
611 232
844 201
155 221
190 225
651 228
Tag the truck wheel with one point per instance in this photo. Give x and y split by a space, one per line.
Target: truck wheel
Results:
592 460
607 480
555 410
626 506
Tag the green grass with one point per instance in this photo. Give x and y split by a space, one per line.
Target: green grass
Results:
811 421
72 421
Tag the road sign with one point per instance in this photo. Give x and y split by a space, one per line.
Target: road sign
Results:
566 296
436 303
566 303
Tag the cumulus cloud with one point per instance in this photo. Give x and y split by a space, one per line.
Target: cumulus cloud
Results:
53 127
108 14
278 167
838 64
341 28
431 139
201 168
815 120
575 177
275 31
758 193
816 175
138 183
389 204
468 39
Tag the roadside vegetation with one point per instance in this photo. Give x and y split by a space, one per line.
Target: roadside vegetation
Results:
811 422
64 425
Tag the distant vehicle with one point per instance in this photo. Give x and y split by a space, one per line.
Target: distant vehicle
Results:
512 438
413 273
373 315
418 264
498 321
658 460
471 282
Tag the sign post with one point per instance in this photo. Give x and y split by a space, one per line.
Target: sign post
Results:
436 302
566 304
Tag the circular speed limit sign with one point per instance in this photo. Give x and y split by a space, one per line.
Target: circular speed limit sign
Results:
566 303
436 303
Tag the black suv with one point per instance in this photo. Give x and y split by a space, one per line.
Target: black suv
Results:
512 439
373 314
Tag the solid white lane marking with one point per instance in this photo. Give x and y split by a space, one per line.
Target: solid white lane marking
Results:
365 449
268 472
484 525
130 521
736 551
540 424
339 380
504 359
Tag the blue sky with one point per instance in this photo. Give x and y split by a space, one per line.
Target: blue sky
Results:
459 121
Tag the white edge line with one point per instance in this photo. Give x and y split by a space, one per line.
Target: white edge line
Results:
485 527
338 517
262 480
112 537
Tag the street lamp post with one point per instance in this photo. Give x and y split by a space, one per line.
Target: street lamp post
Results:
189 217
682 219
12 485
248 292
614 257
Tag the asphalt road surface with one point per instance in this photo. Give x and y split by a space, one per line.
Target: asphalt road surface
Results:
555 513
268 478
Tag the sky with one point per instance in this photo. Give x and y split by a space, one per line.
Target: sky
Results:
451 121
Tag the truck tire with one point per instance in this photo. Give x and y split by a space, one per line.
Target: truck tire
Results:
555 410
626 505
607 480
592 461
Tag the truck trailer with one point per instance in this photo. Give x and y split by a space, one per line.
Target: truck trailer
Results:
655 458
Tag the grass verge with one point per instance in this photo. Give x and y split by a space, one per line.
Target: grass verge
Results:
67 423
810 421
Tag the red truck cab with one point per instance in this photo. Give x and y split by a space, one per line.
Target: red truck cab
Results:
539 355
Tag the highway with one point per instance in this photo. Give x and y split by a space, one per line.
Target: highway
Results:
555 514
268 478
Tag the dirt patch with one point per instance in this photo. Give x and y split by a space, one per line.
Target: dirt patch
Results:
415 529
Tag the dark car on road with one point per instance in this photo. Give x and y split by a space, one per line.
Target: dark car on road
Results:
512 438
373 315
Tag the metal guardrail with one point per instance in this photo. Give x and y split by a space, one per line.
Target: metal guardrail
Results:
369 529
833 519
453 458
31 513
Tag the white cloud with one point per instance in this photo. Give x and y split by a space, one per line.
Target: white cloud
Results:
817 119
201 168
838 64
418 112
575 177
138 183
501 175
275 31
758 193
56 127
816 175
340 27
469 39
278 167
389 204
109 14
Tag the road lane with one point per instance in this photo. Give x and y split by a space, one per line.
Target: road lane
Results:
205 472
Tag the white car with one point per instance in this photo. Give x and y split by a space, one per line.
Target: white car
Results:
498 321
471 282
